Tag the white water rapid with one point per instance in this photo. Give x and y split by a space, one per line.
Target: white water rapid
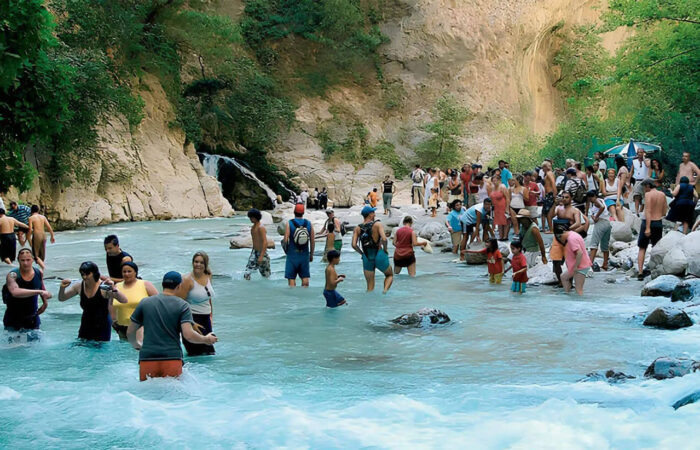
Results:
211 166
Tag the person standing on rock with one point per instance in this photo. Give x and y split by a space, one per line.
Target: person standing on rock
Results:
323 199
601 229
163 317
37 235
550 193
370 235
577 261
623 185
505 174
533 191
21 213
299 238
8 240
687 168
432 185
465 177
259 259
531 239
454 186
640 172
418 186
388 189
652 228
683 205
404 241
115 258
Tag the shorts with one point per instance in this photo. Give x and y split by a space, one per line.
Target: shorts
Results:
495 278
601 235
333 299
657 231
456 237
160 369
610 202
8 246
534 211
253 265
453 197
195 349
556 251
297 265
638 190
375 259
547 203
386 198
404 261
583 272
517 286
338 245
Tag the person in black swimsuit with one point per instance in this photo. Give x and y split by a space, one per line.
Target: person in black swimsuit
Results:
95 300
115 258
21 293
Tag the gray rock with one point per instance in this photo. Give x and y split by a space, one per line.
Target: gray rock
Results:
618 246
541 274
686 290
431 230
611 376
691 248
668 319
422 317
658 252
622 231
666 367
675 262
687 400
662 286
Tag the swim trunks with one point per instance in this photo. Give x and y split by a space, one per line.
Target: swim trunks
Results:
547 203
657 231
495 278
297 265
160 368
338 245
518 287
253 265
39 246
333 299
405 261
374 258
8 246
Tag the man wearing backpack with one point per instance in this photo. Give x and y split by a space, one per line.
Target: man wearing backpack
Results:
298 237
418 189
370 234
577 188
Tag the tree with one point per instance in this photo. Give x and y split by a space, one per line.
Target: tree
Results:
442 148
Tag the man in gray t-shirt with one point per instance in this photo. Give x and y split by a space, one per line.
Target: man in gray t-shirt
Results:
164 317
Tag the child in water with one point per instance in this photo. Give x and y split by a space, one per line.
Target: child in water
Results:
330 240
333 299
519 265
433 202
494 261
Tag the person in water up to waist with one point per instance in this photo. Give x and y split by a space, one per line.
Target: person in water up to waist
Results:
135 290
95 301
199 293
163 317
21 293
8 241
115 257
370 234
299 238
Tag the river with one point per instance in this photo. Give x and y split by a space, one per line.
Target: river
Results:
291 373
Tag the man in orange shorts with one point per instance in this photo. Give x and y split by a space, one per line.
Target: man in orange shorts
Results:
164 317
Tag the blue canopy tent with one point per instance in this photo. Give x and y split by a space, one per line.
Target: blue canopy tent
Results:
629 150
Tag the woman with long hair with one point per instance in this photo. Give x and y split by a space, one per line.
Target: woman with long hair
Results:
518 194
657 172
500 197
610 193
197 286
623 184
135 290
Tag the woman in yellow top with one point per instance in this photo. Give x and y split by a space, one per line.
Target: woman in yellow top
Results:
135 290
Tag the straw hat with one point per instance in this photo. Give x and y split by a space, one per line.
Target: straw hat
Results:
524 213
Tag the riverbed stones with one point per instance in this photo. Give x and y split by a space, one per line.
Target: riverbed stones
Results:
246 241
611 376
661 286
618 246
666 367
675 262
422 317
691 248
541 274
686 290
668 319
621 231
658 252
433 231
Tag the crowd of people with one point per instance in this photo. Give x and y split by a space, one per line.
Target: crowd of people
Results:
482 208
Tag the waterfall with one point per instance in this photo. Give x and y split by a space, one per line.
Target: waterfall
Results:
211 167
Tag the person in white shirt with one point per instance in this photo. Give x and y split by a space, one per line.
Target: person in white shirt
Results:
602 166
640 171
418 187
304 196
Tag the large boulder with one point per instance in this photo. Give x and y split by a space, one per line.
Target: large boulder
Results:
504 247
422 317
686 290
661 286
267 218
666 367
634 222
246 241
675 262
687 400
617 246
668 319
658 252
621 231
434 231
541 274
691 248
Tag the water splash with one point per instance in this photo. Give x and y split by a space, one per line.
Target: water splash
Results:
211 164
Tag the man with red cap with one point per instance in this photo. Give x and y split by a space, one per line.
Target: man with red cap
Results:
299 242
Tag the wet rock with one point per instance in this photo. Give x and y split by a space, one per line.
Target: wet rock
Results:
622 231
662 286
687 400
666 367
434 232
691 248
541 274
625 259
246 241
504 247
618 246
422 317
267 218
611 376
675 262
686 290
658 252
668 319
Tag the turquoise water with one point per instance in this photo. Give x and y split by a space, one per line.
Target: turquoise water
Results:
291 373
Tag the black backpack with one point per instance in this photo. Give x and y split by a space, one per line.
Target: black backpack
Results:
579 195
366 235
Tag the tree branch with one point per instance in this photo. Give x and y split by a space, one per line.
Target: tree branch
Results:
667 58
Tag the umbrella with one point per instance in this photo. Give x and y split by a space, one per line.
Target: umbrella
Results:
630 149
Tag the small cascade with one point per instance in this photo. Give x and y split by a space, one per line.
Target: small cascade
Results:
213 165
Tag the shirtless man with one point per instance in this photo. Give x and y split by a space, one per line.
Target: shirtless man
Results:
8 240
687 168
651 229
550 189
375 255
37 235
259 259
566 217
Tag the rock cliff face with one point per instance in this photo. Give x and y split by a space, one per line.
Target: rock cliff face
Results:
141 175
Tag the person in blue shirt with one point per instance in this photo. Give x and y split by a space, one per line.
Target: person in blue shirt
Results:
454 225
475 218
505 173
299 240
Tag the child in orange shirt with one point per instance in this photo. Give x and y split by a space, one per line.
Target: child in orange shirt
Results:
494 261
519 265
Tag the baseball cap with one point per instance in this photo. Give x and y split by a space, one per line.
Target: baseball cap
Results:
329 211
571 171
172 278
367 210
299 208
